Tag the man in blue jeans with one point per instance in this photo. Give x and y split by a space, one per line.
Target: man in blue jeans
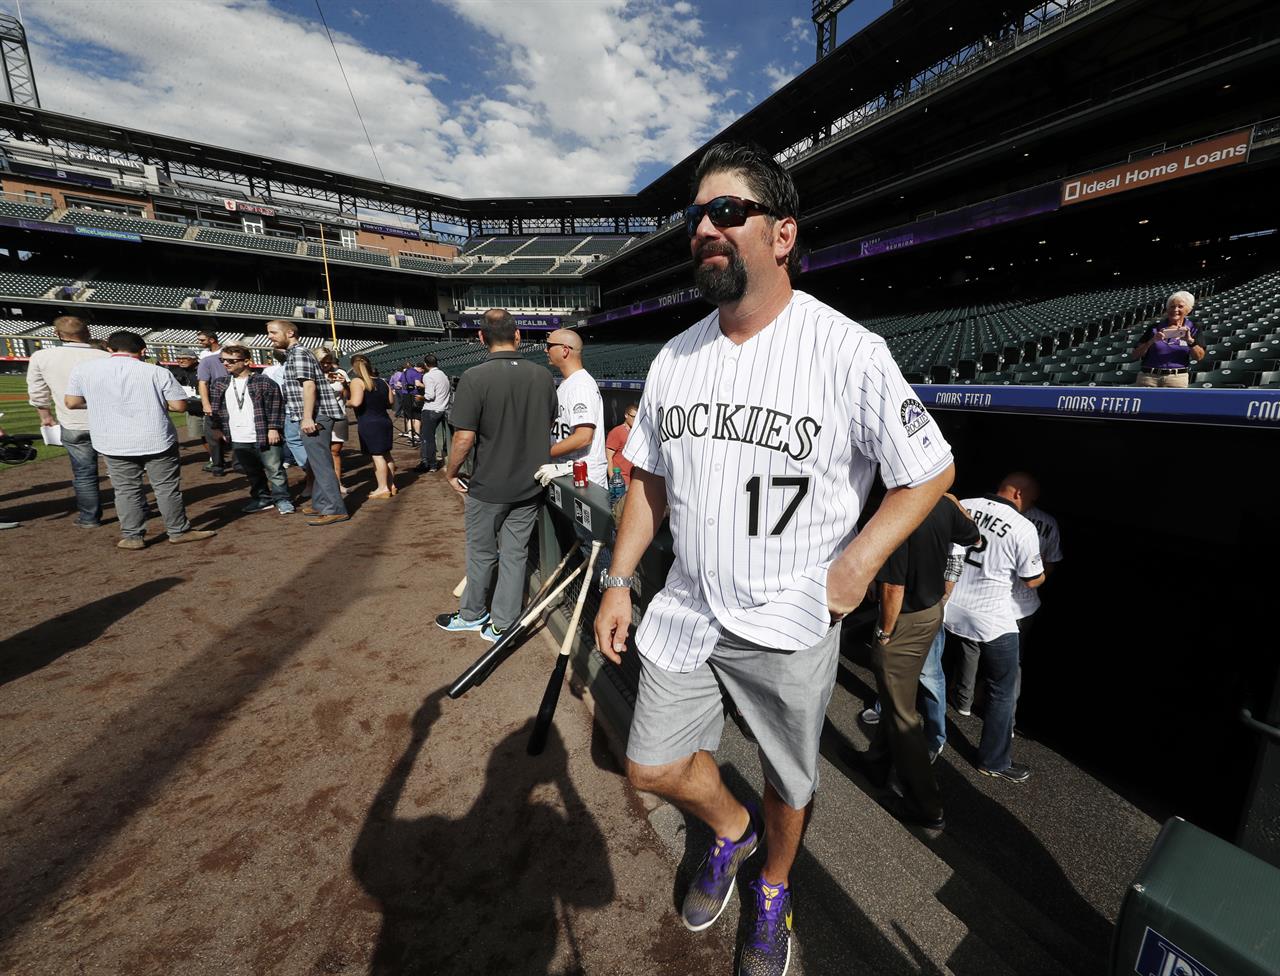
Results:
248 414
981 612
47 374
309 399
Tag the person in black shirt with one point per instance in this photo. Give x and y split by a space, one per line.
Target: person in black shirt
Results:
911 592
502 411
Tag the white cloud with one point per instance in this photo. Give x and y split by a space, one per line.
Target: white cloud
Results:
359 16
778 75
588 91
801 33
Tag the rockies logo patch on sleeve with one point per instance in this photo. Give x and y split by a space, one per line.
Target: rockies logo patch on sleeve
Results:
914 417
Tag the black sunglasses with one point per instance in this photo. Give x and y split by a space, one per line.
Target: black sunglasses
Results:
724 212
552 345
233 360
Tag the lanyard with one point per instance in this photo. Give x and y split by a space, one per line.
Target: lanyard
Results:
239 395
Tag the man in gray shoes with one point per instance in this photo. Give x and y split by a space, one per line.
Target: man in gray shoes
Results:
129 402
503 409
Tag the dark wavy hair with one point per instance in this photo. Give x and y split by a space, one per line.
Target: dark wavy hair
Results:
770 184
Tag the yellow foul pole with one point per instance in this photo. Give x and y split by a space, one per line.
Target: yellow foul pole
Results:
328 290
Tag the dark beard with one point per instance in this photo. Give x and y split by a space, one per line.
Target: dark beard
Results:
720 286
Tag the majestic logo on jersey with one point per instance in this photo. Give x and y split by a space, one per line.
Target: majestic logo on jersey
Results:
741 422
913 416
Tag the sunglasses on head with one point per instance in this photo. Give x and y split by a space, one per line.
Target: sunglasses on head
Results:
724 212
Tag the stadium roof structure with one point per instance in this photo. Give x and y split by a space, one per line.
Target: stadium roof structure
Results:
907 40
266 176
889 55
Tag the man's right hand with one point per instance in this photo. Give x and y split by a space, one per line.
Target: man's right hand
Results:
309 427
613 621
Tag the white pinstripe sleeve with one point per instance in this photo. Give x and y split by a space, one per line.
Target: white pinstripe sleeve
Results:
891 425
644 444
1028 555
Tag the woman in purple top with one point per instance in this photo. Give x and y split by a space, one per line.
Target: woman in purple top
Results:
1167 348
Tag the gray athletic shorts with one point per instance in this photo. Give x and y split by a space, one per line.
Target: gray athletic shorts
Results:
782 695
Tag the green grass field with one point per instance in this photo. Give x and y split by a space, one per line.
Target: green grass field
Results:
21 418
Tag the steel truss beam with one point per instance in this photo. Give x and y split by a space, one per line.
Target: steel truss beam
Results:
19 77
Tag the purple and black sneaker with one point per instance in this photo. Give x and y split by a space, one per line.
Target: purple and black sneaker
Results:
767 951
713 883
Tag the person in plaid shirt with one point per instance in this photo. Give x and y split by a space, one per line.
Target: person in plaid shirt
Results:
310 400
248 413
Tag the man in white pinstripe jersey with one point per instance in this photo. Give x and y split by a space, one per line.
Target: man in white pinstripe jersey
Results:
762 427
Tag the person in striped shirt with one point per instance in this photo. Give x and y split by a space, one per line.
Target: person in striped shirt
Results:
762 427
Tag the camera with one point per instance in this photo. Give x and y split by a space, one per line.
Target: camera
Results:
17 448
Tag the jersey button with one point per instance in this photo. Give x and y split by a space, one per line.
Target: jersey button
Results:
711 521
711 573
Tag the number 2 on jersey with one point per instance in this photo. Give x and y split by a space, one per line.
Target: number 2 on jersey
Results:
753 490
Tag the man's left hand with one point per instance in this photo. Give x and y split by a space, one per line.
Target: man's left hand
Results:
273 437
457 485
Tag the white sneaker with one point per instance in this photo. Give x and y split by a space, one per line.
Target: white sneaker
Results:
933 756
869 716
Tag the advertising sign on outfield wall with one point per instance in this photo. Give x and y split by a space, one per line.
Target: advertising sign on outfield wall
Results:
1199 157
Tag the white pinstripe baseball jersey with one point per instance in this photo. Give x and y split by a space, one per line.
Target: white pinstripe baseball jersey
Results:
981 606
769 449
1025 598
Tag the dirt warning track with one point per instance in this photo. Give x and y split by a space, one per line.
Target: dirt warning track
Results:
236 757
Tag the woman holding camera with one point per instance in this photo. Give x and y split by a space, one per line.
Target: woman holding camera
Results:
1167 348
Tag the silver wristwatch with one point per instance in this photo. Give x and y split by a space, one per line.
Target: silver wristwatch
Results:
609 582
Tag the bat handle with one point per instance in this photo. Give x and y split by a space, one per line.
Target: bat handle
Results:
582 599
551 697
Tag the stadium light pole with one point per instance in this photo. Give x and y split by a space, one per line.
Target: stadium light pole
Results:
328 290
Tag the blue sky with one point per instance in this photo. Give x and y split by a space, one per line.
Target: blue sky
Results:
472 97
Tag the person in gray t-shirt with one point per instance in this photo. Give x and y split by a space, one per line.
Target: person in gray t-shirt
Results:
502 410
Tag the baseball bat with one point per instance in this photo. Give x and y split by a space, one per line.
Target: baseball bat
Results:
553 576
551 697
485 664
461 587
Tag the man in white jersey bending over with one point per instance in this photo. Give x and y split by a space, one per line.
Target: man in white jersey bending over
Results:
577 433
761 426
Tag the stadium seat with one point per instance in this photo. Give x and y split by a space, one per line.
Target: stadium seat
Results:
252 242
1114 377
1224 377
1270 378
120 222
25 211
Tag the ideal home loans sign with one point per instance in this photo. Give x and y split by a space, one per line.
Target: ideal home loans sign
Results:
1200 157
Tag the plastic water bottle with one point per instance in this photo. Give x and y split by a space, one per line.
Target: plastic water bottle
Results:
617 487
